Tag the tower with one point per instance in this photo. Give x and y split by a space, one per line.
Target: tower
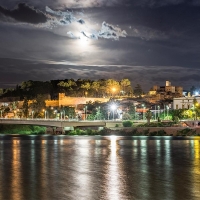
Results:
168 83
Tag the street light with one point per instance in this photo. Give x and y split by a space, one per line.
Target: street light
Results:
159 111
164 111
167 111
55 112
113 107
98 112
32 113
143 111
61 115
135 112
64 114
108 115
85 112
45 114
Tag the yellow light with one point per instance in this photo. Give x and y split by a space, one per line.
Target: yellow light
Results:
113 89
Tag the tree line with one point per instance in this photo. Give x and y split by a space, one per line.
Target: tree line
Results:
74 88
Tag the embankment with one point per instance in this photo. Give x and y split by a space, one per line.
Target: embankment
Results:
162 131
21 129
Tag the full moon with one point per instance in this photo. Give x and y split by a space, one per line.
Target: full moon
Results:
83 41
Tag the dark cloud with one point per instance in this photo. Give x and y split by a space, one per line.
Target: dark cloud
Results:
58 4
162 41
14 71
23 13
161 3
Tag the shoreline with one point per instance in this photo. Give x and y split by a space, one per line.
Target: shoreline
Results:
118 131
162 131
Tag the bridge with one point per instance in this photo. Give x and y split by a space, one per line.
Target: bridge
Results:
61 125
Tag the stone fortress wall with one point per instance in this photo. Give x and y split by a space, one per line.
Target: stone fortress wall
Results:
62 101
74 101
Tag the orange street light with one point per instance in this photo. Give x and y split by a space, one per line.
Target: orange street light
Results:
113 89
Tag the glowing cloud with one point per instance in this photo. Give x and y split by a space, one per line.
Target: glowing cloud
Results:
52 19
108 31
62 18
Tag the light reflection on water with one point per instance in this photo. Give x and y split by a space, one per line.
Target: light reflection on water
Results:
16 170
112 173
99 168
196 169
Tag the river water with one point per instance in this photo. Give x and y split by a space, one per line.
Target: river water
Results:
90 168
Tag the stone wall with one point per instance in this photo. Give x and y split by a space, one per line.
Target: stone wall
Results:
53 103
74 101
64 101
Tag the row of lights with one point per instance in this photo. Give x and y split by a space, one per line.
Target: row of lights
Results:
55 112
113 108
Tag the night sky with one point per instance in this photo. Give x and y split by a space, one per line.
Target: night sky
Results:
147 41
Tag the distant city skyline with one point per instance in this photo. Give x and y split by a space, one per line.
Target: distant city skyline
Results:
147 42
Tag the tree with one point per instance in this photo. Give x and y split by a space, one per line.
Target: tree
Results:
31 89
176 119
148 116
26 85
68 84
99 114
25 108
125 83
102 87
187 114
38 106
69 112
85 85
177 113
95 86
6 110
14 105
126 116
132 111
192 90
112 87
138 90
1 91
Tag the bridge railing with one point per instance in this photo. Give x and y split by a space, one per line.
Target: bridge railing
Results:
57 120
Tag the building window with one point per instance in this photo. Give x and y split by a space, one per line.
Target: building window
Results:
183 106
188 106
176 106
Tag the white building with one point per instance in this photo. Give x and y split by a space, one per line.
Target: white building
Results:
185 102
